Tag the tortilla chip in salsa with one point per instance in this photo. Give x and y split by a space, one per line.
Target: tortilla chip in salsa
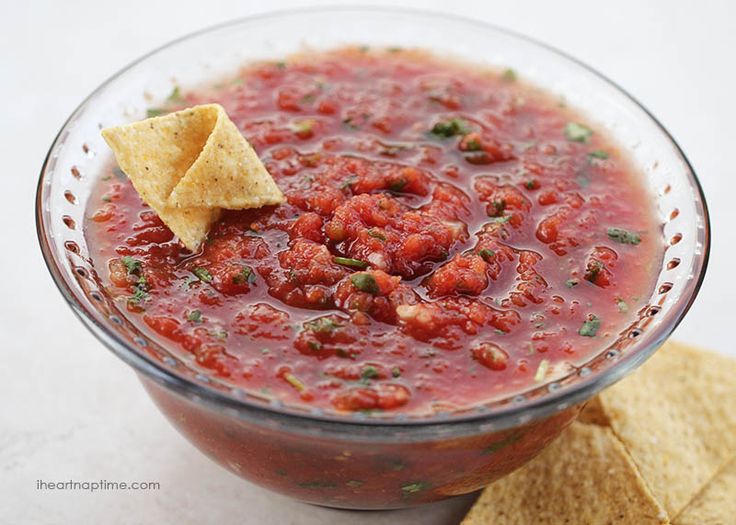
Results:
190 164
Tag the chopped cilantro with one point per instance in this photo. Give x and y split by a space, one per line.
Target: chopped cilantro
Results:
321 325
134 266
473 145
450 128
155 112
302 127
219 333
195 316
317 485
280 64
570 283
413 488
487 254
175 96
577 132
502 220
376 234
315 346
498 445
598 154
397 185
594 268
509 75
245 276
351 263
590 326
623 236
107 198
348 182
369 372
202 274
622 306
139 295
583 180
365 282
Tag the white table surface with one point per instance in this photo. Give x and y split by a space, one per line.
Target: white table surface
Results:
70 409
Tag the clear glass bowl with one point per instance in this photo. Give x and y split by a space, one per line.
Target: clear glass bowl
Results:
385 461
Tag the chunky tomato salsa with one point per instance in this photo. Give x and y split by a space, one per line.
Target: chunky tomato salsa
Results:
451 235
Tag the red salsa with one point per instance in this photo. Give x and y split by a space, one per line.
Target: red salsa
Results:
451 236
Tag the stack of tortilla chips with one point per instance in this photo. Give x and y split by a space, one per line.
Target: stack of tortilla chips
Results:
658 447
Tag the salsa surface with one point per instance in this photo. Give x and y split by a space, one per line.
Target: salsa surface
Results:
450 236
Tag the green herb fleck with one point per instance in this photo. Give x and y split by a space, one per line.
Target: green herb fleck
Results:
245 276
450 128
413 488
175 96
195 316
280 64
577 132
623 236
155 112
502 220
348 182
322 325
219 333
265 351
202 274
397 185
351 263
133 266
315 346
376 234
622 306
495 447
473 145
487 254
509 75
301 127
317 485
369 372
571 283
590 326
107 198
365 282
598 154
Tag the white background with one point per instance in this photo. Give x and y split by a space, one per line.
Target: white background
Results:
70 409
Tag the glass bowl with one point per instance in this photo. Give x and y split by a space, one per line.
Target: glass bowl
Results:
360 461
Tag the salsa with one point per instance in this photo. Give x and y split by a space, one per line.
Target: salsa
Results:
451 236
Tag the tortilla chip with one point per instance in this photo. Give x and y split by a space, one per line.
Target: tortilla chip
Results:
594 414
716 504
676 418
227 173
585 476
202 151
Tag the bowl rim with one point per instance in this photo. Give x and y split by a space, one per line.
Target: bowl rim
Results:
503 417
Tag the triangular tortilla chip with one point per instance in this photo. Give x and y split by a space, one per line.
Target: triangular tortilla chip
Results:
202 151
585 476
676 418
716 504
227 173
